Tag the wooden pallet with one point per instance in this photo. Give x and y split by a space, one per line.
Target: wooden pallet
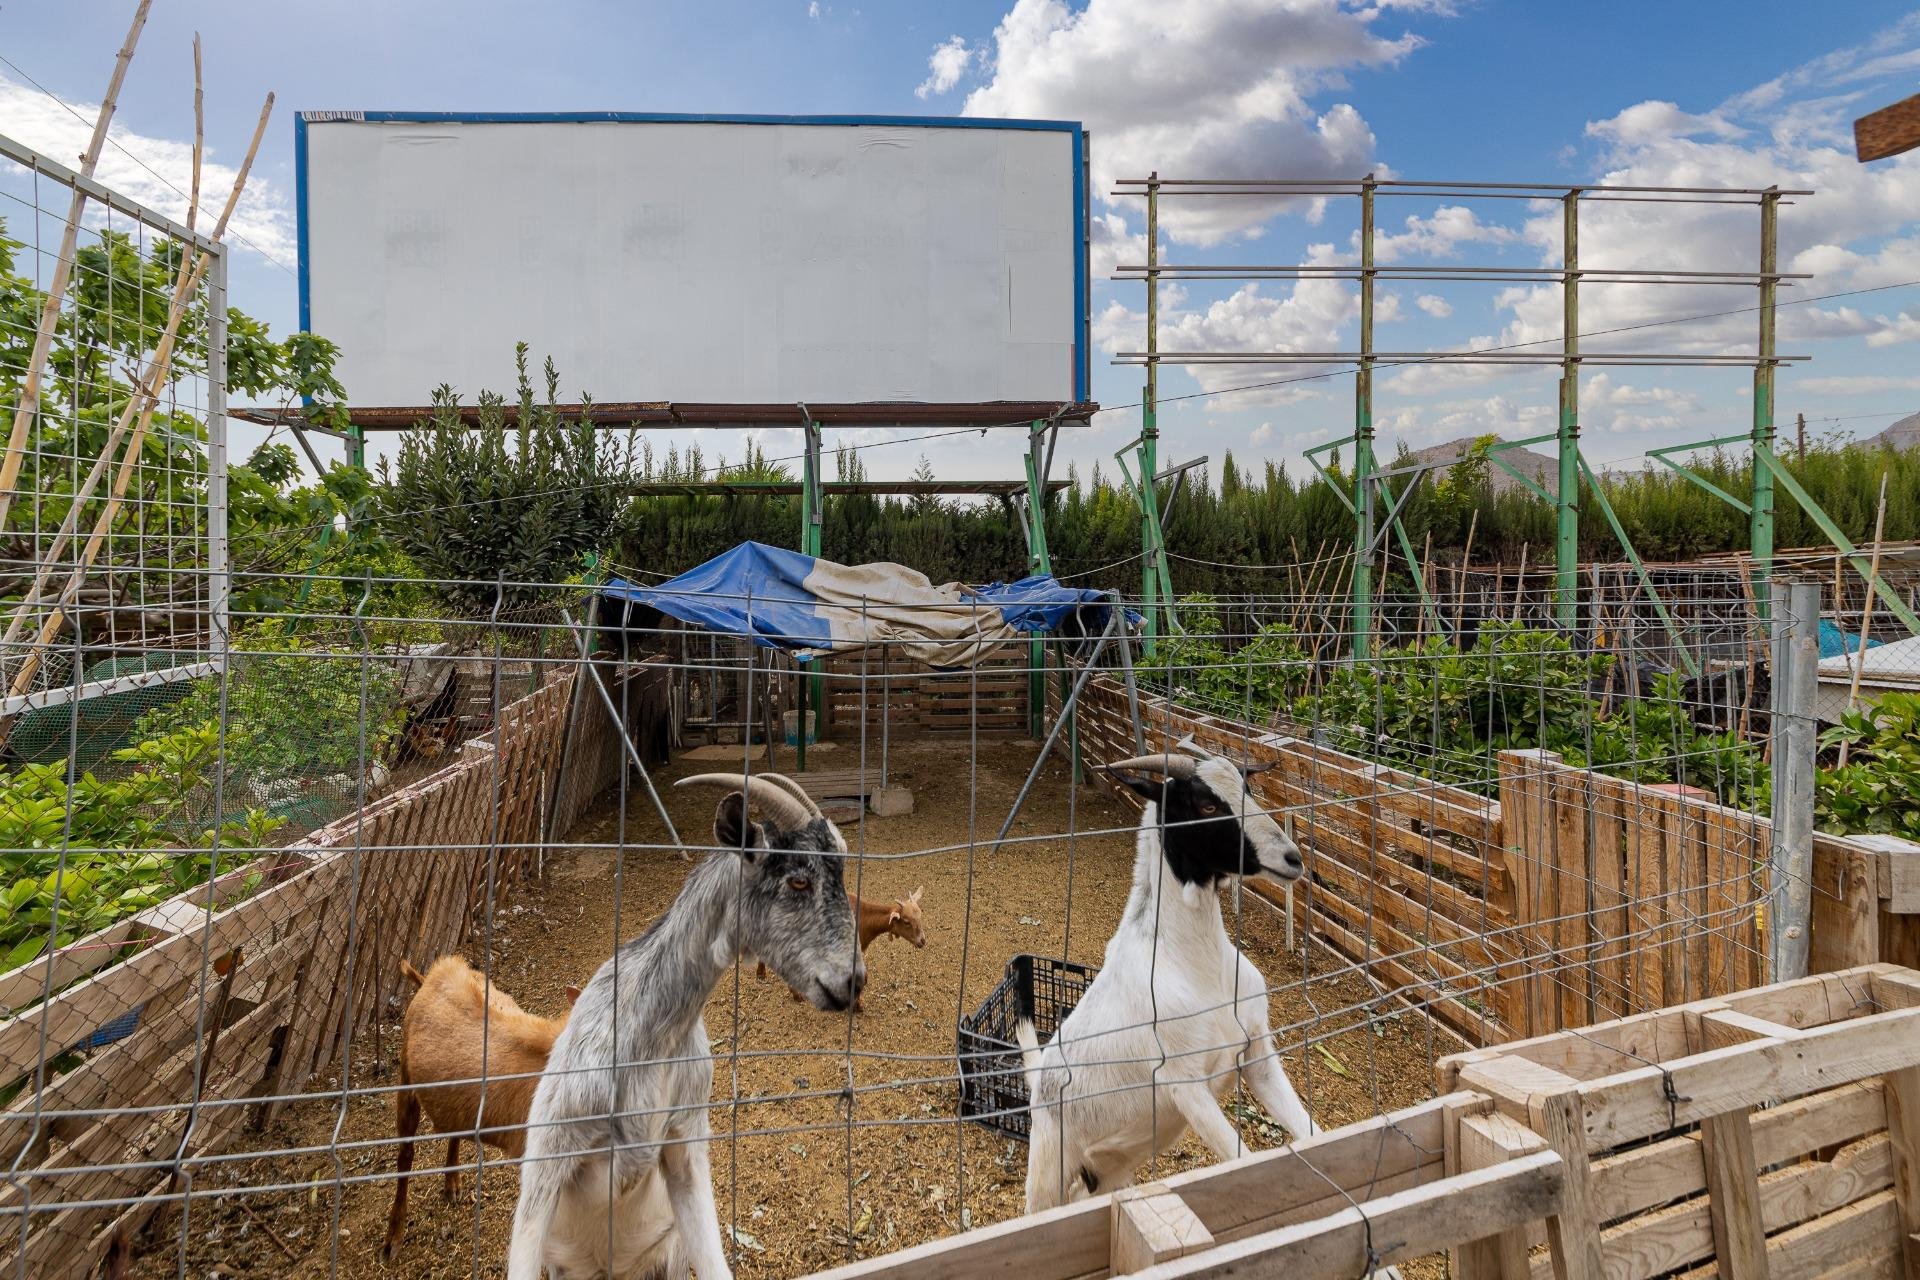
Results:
1667 1120
835 784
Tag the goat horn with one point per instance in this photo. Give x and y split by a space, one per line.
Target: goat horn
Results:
1171 765
799 792
770 796
1187 746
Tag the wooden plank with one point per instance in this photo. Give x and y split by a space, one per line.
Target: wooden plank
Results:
1573 1233
1524 824
1612 990
1675 1237
1485 1141
1881 134
1806 1251
80 1010
1733 1196
1639 1104
1150 1224
1845 917
1388 1230
1570 793
1646 1177
1903 1134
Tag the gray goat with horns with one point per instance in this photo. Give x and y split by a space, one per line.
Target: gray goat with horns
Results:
622 1105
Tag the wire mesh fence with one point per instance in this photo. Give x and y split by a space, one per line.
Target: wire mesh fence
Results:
214 1055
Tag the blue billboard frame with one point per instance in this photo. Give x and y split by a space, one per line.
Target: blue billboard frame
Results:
1082 381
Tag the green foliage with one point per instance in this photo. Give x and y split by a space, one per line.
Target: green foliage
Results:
129 842
1878 789
523 504
1265 673
292 711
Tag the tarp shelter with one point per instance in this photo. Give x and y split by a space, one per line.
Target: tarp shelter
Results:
1887 668
808 606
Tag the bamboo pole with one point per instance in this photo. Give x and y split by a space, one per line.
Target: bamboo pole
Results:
29 406
1466 569
149 392
176 308
1519 584
1866 610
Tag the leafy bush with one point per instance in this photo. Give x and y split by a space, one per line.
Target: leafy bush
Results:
292 711
129 843
1878 789
474 505
1265 673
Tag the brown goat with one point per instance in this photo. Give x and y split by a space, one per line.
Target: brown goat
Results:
901 918
441 1049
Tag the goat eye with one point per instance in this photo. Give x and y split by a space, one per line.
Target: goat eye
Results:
1209 807
799 884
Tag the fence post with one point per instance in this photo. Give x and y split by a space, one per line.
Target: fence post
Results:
1531 834
1796 657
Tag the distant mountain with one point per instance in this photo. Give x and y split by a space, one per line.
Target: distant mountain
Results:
1542 468
1904 434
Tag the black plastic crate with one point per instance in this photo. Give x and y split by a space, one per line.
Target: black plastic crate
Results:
993 1090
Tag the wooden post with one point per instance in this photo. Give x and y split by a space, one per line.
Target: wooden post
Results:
1903 1131
1481 1142
1151 1224
1531 835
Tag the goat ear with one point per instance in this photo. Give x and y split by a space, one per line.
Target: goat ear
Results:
573 996
733 830
1150 786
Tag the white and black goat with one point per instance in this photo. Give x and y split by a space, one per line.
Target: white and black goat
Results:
1175 1010
624 1097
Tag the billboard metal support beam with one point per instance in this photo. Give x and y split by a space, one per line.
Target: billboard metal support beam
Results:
1566 543
1149 443
812 543
1363 460
1039 560
1760 516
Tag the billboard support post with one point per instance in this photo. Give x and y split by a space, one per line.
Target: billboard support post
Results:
812 543
1039 462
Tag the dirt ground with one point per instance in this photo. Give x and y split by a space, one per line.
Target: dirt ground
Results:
806 1183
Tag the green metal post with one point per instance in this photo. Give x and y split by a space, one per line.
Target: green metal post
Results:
1363 463
356 446
1566 547
811 543
1149 425
1760 517
1039 560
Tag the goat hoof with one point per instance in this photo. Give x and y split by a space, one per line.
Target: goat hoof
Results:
392 1249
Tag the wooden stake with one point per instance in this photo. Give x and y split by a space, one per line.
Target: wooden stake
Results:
1466 568
29 405
1520 584
149 393
182 291
1866 609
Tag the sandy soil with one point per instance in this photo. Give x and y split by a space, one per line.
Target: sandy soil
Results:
800 1183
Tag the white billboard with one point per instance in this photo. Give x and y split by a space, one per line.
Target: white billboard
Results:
697 259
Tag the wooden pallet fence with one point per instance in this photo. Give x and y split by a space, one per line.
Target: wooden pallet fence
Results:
916 701
1573 898
1866 901
1408 877
1372 1194
1626 896
262 985
1774 1132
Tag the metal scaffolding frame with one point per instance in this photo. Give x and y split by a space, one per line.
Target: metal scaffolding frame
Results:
1368 490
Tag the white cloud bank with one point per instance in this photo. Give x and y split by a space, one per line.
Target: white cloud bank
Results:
1201 88
264 220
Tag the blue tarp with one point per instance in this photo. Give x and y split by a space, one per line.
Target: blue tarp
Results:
1834 641
785 600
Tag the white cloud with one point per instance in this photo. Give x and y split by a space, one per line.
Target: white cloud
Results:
1903 328
945 65
813 8
1855 385
1260 435
263 220
1434 305
1439 236
1203 88
1114 245
1791 131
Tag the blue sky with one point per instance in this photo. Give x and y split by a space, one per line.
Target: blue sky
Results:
1498 90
